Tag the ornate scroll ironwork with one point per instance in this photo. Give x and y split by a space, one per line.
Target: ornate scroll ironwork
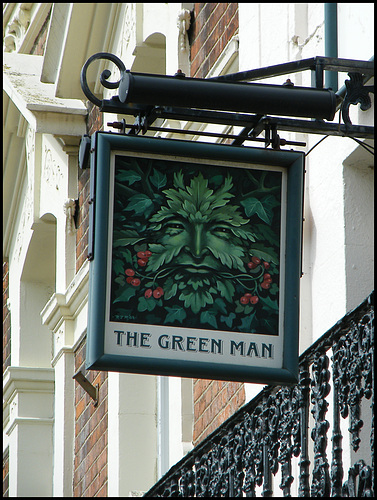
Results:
356 93
241 456
105 75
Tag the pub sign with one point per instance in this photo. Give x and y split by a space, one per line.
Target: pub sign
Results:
195 259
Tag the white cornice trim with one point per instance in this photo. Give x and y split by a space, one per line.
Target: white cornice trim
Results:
36 101
67 306
27 379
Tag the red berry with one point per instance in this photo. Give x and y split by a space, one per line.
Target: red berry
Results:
266 276
248 295
265 285
158 293
129 279
256 260
251 265
148 253
254 299
148 293
141 255
244 300
135 282
268 280
130 272
142 262
266 265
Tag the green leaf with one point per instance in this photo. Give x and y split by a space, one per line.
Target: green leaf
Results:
131 240
246 322
140 203
226 289
265 253
171 291
161 255
270 201
146 304
243 233
254 206
220 305
196 300
128 176
126 294
178 180
228 320
208 317
195 283
126 254
121 280
118 266
274 289
266 233
269 304
175 313
158 179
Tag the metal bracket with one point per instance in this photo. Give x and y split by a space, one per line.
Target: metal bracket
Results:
87 386
146 113
356 93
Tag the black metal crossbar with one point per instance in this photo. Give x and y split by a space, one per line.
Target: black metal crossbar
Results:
193 100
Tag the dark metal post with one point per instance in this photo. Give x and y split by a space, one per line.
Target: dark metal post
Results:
331 42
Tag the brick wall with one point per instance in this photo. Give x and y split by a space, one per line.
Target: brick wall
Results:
90 453
94 123
214 402
213 25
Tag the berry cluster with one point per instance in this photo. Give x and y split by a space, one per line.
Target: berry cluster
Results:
157 293
143 257
142 260
259 267
255 262
248 297
267 280
130 273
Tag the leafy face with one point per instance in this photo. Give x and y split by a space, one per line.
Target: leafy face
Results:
200 228
193 253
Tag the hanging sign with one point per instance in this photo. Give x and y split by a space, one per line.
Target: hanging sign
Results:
196 259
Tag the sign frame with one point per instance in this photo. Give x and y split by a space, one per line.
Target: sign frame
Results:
190 363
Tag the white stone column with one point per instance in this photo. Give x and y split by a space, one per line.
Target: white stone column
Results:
132 438
64 423
28 397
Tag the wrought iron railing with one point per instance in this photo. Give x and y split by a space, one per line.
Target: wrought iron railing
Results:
285 428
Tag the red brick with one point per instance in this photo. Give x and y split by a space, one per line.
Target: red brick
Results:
90 459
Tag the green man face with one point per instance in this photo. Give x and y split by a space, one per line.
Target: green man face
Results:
199 229
199 243
192 253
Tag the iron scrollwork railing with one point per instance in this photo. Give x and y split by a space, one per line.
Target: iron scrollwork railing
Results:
241 457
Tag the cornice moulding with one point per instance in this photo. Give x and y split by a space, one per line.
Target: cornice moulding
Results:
67 306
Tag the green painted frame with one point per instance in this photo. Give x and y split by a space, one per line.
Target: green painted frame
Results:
97 357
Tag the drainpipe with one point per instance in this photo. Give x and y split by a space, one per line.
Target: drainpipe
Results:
331 42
